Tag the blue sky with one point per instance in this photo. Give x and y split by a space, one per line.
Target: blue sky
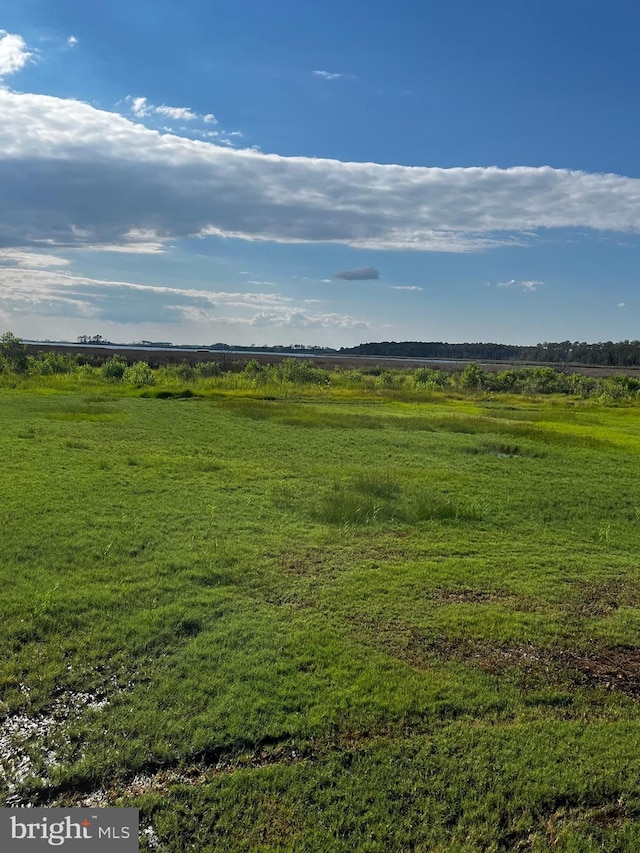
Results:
326 173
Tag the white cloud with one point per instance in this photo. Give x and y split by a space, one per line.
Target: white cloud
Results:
72 41
302 320
177 113
621 305
138 241
141 108
13 53
406 287
33 291
529 286
30 260
100 178
327 75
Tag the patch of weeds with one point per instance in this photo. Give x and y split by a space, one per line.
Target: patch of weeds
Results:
207 465
371 497
455 423
301 415
377 485
343 505
188 627
335 420
285 496
417 424
77 445
132 461
257 410
203 464
433 507
509 450
28 433
503 450
367 498
84 412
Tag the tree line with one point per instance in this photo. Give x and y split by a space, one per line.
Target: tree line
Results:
607 353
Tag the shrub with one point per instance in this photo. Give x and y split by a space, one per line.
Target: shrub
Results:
619 386
429 376
388 380
302 373
582 386
507 381
207 369
139 374
256 372
114 367
253 367
46 364
544 380
472 377
185 372
13 353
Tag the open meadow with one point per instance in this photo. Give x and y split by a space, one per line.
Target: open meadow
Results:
322 614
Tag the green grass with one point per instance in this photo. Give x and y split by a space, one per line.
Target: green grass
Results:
327 621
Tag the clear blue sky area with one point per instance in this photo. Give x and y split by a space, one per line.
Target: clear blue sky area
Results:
321 173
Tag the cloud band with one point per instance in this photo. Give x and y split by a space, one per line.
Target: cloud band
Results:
75 175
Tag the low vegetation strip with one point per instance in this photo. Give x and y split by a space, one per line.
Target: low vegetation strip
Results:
322 612
182 375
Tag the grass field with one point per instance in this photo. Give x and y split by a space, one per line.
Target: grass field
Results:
324 621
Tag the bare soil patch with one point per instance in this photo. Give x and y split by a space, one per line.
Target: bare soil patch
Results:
531 666
594 598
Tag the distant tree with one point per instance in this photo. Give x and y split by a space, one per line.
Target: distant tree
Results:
13 353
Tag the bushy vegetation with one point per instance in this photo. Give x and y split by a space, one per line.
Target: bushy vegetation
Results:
13 353
420 383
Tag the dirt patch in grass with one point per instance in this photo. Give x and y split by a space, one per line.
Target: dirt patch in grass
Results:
487 596
600 598
612 669
604 668
310 563
567 820
160 780
528 665
325 561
